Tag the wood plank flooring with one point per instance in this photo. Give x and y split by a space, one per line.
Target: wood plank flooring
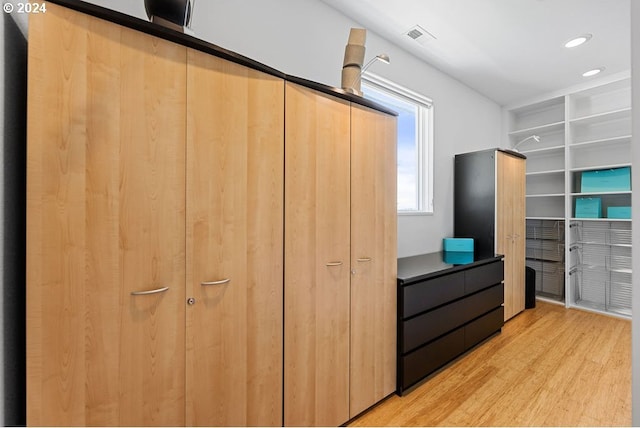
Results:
550 366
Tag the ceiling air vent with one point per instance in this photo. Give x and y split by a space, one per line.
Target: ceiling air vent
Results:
418 32
414 33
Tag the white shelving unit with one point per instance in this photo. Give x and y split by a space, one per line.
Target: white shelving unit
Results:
600 276
580 130
545 253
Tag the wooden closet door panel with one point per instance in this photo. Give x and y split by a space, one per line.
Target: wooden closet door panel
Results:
317 234
235 158
105 217
56 176
373 257
152 229
504 227
519 231
102 218
510 235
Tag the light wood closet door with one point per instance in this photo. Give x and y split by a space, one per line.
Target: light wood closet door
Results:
373 257
504 227
519 232
510 229
235 140
105 218
316 373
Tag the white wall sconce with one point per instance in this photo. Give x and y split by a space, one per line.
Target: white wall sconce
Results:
531 137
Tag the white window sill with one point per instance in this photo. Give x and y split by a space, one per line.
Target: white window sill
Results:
414 213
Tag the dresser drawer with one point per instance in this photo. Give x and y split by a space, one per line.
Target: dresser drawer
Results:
484 301
428 294
483 327
483 277
425 360
428 326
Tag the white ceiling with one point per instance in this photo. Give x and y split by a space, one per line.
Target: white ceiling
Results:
508 50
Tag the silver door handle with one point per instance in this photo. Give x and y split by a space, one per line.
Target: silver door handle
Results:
222 281
364 259
334 264
143 293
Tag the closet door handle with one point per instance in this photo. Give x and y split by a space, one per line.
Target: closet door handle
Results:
222 281
364 259
334 264
144 293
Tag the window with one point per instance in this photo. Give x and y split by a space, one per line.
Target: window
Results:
415 141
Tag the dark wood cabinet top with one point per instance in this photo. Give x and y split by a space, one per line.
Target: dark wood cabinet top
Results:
431 265
204 46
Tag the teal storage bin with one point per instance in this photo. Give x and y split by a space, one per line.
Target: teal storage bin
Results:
457 257
588 208
619 212
606 180
458 244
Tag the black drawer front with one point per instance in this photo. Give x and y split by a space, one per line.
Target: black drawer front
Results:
484 301
431 293
483 277
478 330
425 360
426 327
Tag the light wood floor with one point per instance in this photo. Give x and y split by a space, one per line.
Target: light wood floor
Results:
550 366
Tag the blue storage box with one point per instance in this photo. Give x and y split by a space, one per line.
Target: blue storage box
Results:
606 180
588 208
619 212
457 257
458 244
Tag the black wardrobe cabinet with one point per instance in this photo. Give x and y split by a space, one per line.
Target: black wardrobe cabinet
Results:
489 206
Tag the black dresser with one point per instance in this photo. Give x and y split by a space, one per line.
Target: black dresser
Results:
444 310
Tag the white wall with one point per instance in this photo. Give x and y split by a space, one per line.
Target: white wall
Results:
635 159
306 38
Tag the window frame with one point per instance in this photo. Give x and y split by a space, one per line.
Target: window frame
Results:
425 138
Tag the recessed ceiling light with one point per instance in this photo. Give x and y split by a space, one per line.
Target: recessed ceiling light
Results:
592 72
577 41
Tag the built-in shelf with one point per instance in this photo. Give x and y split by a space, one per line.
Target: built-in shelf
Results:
603 268
544 218
626 220
601 117
540 129
607 244
602 141
546 195
545 253
591 168
626 192
542 150
553 171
